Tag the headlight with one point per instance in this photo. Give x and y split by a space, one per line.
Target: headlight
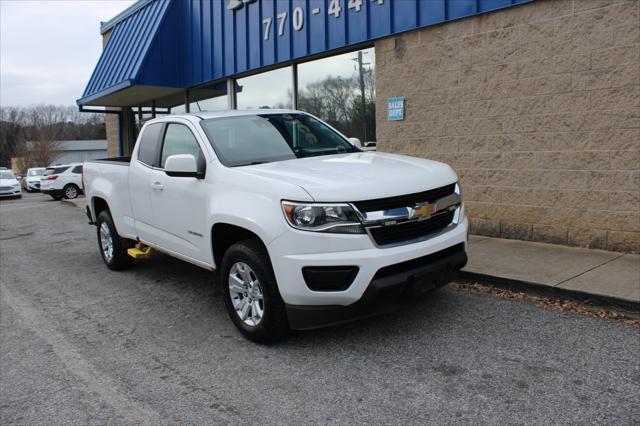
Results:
16 186
333 218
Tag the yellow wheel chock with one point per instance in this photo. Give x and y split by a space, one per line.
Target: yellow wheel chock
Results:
140 251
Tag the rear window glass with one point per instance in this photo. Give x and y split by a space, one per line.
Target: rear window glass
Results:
35 172
54 170
148 151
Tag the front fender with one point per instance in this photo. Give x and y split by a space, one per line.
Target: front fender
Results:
253 204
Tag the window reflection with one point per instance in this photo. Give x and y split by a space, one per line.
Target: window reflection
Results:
272 89
341 91
212 104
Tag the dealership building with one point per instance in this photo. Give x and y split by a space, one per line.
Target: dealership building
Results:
535 103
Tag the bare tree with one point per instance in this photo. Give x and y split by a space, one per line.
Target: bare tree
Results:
37 154
44 126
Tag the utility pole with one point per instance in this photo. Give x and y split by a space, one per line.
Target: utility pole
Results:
363 99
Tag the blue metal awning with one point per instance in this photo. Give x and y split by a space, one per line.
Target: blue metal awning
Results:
129 44
158 48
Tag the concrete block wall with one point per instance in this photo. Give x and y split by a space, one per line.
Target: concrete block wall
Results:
113 135
537 107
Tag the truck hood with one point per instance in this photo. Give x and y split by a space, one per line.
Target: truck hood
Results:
358 176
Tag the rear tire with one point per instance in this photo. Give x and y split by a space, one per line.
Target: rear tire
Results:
71 191
112 247
250 258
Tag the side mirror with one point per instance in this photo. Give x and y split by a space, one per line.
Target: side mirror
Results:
355 142
182 165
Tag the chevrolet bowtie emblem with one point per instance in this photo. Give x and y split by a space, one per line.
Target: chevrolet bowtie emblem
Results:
422 211
237 4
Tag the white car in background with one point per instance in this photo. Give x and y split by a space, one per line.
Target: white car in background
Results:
62 181
9 185
31 181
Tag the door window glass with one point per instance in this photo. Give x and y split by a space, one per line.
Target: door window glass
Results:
149 141
178 139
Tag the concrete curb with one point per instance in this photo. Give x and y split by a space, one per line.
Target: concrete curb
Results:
78 202
546 290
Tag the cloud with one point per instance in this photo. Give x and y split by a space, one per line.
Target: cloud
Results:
48 48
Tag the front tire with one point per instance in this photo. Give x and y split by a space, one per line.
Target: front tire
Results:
251 293
113 249
71 191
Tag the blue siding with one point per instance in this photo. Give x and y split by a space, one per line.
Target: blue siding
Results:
182 43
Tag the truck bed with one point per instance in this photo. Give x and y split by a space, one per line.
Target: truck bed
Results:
124 161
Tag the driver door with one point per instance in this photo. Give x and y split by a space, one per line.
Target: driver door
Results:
179 203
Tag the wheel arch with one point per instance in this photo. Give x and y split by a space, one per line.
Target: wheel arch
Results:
98 204
224 235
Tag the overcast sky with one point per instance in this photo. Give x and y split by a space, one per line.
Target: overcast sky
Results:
48 48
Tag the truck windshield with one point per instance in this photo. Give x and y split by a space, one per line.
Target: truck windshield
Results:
264 138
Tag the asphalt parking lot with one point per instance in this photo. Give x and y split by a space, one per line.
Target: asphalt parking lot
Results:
84 345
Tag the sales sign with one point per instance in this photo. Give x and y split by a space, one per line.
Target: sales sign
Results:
395 109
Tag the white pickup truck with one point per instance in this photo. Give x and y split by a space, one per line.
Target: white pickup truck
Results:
303 227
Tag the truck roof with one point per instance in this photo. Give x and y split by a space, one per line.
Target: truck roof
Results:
233 113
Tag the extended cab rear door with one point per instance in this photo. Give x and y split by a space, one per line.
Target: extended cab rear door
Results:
146 158
179 203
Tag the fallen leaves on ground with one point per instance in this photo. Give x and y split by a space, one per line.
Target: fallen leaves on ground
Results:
563 305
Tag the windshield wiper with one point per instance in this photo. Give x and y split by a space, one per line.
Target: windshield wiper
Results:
253 163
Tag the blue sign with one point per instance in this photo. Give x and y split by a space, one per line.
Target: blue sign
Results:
395 109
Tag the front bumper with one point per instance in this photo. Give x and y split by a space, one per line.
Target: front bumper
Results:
387 291
294 250
12 193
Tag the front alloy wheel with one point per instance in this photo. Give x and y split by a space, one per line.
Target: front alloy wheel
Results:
251 293
246 295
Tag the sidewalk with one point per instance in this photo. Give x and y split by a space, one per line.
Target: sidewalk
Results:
609 275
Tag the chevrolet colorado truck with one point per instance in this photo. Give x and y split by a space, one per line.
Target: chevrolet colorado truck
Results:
303 228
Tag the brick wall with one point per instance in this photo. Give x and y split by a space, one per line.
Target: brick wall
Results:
537 107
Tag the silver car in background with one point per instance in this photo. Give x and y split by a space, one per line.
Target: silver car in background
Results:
9 185
31 180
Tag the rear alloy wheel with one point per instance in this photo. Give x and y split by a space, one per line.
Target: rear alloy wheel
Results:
251 293
113 249
71 191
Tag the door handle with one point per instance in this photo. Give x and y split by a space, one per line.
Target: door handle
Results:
157 186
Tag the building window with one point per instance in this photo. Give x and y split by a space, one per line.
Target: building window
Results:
218 103
272 89
341 91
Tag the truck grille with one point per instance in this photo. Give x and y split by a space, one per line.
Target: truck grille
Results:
405 200
411 230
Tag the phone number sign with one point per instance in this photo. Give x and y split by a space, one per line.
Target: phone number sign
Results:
395 109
